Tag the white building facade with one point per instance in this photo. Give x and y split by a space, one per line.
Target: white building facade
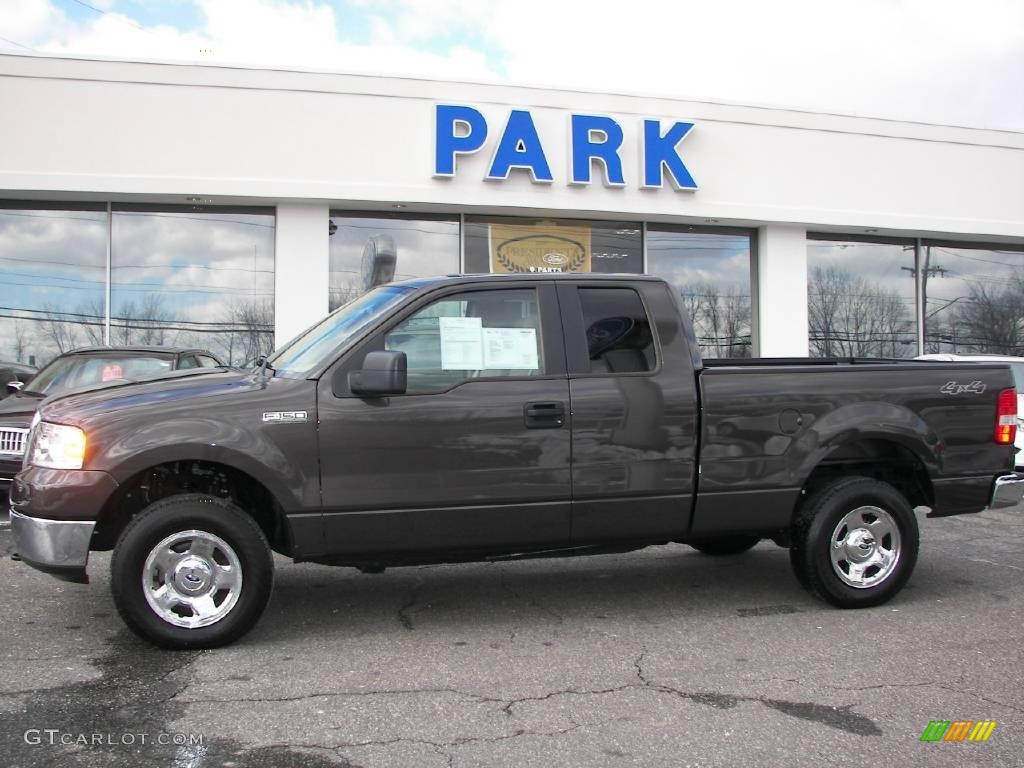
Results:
226 207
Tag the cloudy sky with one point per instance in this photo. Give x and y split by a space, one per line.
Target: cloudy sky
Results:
931 60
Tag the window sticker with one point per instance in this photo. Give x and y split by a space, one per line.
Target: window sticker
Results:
510 349
461 344
112 371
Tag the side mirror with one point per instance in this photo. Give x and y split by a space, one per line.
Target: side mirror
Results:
14 386
383 373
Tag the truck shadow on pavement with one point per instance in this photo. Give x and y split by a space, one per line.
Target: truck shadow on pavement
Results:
660 584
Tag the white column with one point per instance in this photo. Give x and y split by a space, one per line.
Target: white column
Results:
302 268
781 279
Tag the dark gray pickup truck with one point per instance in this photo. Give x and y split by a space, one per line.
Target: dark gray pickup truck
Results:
498 417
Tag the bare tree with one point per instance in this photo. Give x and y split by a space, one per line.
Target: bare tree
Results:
721 318
57 329
151 321
341 295
92 315
22 338
121 325
851 316
142 323
252 330
991 319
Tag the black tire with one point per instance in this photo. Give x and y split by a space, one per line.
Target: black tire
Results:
818 521
726 545
210 516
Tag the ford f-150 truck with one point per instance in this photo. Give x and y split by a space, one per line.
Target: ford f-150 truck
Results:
497 417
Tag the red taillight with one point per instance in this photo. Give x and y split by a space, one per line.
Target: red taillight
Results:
1006 417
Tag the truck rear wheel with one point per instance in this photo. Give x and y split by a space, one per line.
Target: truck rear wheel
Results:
726 545
191 571
855 542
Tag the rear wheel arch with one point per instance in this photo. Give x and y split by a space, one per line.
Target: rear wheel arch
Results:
884 459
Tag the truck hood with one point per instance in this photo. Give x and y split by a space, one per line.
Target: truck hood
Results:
205 387
17 410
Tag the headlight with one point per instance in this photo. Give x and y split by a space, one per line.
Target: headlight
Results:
57 446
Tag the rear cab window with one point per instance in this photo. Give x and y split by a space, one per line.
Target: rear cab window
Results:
619 338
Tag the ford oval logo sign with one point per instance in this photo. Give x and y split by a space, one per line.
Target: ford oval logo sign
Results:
555 259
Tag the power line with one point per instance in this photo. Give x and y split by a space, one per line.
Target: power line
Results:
105 13
12 42
149 288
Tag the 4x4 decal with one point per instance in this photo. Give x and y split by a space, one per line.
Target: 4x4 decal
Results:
953 388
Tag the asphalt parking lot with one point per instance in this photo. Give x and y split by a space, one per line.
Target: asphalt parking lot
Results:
662 657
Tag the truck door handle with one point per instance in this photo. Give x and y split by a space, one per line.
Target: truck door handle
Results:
544 415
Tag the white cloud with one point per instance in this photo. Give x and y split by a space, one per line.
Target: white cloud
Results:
255 32
933 60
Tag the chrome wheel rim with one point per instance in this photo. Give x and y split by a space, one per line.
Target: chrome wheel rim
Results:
865 547
192 579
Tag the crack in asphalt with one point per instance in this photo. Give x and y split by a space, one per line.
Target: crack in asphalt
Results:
840 718
341 694
983 698
528 599
135 694
798 681
441 747
404 617
446 745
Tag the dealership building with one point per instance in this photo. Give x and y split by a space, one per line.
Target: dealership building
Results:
229 207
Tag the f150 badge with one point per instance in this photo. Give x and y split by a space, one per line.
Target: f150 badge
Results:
284 417
953 388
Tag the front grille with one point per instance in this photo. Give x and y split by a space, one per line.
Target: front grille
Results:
12 441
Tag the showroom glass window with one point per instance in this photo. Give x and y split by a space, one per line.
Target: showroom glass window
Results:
710 272
53 264
503 244
973 298
372 249
861 297
194 277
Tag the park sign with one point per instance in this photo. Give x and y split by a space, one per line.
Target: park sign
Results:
463 130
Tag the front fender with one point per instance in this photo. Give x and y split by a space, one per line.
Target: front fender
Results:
265 457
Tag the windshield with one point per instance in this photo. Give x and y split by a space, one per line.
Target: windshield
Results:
310 349
75 371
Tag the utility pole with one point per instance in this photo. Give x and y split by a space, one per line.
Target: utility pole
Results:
927 270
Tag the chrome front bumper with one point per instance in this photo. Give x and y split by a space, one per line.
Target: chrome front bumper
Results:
57 547
1007 491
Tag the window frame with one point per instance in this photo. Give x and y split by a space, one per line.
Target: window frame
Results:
577 357
404 216
750 233
552 343
849 237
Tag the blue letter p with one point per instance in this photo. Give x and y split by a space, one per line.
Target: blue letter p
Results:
448 142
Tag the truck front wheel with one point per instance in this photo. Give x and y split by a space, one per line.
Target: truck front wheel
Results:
855 542
191 571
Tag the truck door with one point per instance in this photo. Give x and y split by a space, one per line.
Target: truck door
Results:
634 411
475 456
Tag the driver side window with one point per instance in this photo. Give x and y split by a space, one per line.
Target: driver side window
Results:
470 335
